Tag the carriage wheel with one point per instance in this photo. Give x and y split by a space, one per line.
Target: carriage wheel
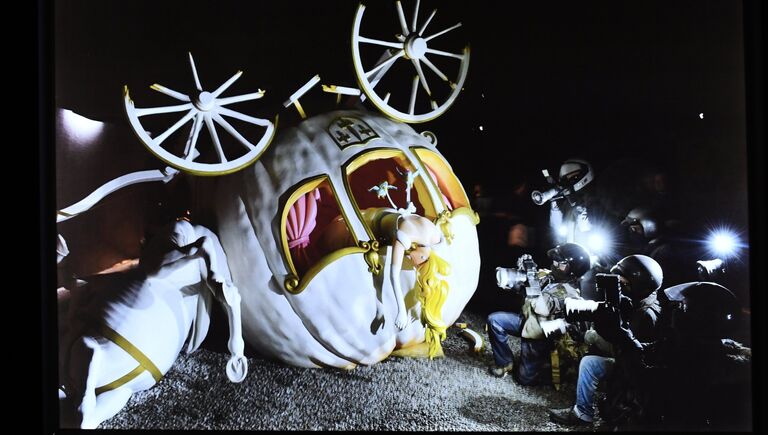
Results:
412 45
203 108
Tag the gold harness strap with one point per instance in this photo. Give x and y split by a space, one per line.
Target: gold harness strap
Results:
144 362
555 361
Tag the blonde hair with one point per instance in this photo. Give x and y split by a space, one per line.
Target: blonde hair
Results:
432 291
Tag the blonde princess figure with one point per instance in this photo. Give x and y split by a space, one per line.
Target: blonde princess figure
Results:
413 236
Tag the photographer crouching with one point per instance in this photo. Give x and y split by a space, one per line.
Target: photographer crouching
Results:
626 318
545 295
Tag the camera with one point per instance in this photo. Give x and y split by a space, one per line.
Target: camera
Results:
710 270
553 193
557 190
526 272
608 286
540 198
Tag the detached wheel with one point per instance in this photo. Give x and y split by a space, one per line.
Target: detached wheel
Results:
202 108
413 46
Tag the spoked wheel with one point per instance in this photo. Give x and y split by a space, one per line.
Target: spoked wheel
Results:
412 45
204 108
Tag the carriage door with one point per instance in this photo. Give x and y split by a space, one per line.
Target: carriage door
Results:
314 231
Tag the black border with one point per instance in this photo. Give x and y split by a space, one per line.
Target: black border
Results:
45 188
754 44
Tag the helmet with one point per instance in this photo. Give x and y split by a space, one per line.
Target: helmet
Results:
706 309
643 273
574 254
576 174
645 218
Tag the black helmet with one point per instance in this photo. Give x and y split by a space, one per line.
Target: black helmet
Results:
644 217
643 273
705 309
575 255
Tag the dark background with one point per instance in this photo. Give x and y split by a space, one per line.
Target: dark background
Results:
600 80
618 84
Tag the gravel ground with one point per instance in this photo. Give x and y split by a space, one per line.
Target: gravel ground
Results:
453 393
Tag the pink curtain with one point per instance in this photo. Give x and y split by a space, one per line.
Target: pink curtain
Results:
440 186
302 219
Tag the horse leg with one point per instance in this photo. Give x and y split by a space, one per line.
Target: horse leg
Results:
237 366
68 414
216 276
72 376
79 378
88 404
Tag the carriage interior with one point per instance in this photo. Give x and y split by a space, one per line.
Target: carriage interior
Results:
315 225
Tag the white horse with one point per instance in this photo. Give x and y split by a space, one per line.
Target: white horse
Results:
126 329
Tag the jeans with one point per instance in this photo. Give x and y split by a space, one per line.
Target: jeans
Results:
534 367
592 370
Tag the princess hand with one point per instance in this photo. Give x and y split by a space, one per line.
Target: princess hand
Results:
402 319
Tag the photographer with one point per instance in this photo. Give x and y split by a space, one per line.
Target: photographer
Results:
695 376
649 233
621 323
568 216
569 262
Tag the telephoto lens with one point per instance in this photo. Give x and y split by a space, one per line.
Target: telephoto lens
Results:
539 198
509 277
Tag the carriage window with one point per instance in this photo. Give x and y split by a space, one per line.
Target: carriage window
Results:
313 225
453 194
374 167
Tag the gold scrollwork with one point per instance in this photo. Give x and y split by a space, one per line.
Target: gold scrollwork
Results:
371 255
444 221
292 283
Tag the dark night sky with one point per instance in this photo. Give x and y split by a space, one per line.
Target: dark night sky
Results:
620 84
601 80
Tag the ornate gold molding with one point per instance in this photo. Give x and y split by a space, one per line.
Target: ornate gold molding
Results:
443 220
371 255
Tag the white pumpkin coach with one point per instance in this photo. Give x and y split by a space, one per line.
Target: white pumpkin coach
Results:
304 303
311 308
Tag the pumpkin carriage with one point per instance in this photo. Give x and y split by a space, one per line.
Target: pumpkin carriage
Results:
309 302
290 204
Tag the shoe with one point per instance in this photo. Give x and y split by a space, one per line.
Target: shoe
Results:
567 417
501 371
537 381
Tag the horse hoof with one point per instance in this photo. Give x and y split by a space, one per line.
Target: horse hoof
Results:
237 368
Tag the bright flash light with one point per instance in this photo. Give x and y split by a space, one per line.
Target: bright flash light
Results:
598 242
80 127
593 259
562 231
723 243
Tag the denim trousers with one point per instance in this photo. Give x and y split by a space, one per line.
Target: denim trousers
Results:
534 367
592 369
